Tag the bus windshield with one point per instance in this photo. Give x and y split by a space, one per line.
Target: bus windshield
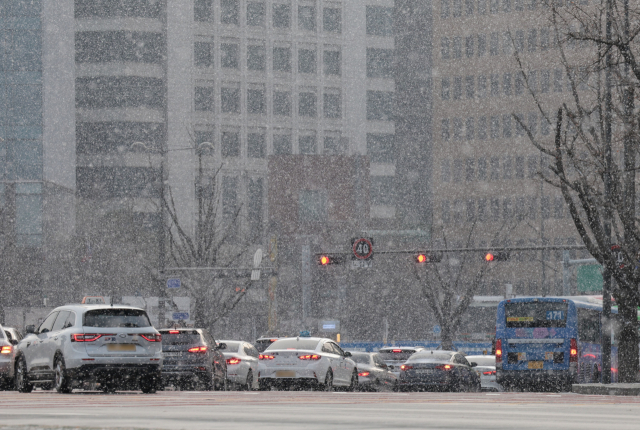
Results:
536 314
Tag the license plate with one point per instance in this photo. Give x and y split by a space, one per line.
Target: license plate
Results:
285 374
121 347
536 364
424 371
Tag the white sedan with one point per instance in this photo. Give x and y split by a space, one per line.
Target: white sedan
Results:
307 361
242 363
486 370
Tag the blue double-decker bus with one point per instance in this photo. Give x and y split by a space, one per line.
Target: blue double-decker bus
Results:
550 341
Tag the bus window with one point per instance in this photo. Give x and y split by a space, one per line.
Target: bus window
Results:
536 314
588 326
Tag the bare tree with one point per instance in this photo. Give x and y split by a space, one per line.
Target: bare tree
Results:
592 157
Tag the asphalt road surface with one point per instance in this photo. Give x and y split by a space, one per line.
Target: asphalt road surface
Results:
316 410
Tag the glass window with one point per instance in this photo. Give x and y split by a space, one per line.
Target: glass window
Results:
588 326
230 144
307 104
25 104
230 55
71 321
444 48
332 20
532 40
312 207
203 54
557 80
307 18
282 144
281 16
256 58
256 146
445 89
506 84
204 99
457 87
230 11
380 63
47 324
256 101
294 343
457 47
255 14
482 45
332 61
308 144
60 320
282 59
380 105
255 195
282 103
469 45
307 61
379 21
230 100
382 190
332 105
29 214
230 204
334 145
536 314
381 147
202 10
493 43
470 86
114 317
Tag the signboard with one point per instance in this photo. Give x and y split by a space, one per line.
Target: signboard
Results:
590 278
361 264
173 283
180 316
617 253
437 329
362 248
329 326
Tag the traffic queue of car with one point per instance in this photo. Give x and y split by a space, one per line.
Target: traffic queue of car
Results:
115 347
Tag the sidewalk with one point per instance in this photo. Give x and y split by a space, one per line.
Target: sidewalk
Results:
608 389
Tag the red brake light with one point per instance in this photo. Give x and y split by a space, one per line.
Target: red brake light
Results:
573 356
310 357
174 331
406 367
396 350
6 350
198 349
265 357
152 337
491 372
499 351
233 360
87 337
363 374
444 367
272 340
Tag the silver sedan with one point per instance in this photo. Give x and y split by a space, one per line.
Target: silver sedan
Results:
242 363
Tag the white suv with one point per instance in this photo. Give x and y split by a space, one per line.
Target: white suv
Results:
114 346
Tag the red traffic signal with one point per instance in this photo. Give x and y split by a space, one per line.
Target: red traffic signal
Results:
326 259
427 258
421 258
496 256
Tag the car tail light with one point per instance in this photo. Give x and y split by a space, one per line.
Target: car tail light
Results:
573 355
174 331
444 367
396 350
363 374
198 349
490 372
233 360
88 337
265 357
406 367
499 351
152 337
6 350
310 357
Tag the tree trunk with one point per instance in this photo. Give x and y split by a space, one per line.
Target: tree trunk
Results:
446 341
628 336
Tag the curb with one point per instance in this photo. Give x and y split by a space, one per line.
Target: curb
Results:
607 389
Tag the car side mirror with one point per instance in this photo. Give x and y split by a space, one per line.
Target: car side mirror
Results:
14 342
347 354
31 329
222 346
473 364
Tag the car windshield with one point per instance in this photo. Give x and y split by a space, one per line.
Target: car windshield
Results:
182 338
230 346
396 354
482 360
294 343
536 314
114 317
361 358
428 356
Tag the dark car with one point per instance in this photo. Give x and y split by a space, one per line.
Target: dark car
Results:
263 343
373 372
438 370
192 359
395 356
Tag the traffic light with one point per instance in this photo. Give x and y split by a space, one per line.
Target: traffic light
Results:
496 256
427 257
326 259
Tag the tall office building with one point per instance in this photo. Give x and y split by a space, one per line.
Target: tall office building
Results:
37 145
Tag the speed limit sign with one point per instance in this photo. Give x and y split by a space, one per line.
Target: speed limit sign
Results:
362 248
